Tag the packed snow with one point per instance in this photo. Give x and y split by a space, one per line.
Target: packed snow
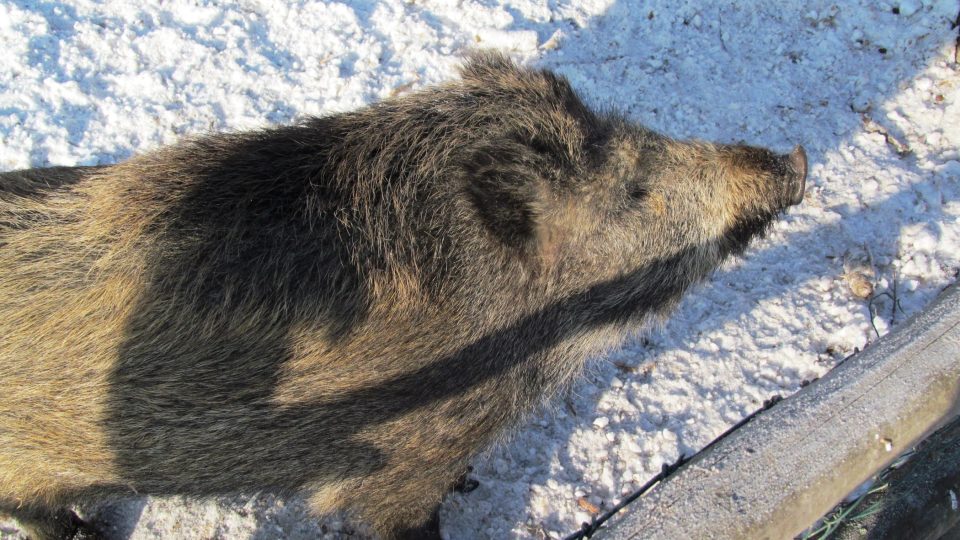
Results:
870 88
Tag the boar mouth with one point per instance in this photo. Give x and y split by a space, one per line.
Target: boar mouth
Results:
796 182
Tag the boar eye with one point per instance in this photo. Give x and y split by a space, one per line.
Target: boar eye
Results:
636 192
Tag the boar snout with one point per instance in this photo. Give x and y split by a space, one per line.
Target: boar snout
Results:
796 182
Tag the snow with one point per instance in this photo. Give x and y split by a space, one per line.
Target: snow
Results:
91 82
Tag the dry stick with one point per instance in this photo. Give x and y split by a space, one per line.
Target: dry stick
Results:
873 265
873 313
896 306
896 271
723 44
871 126
876 273
896 301
956 47
893 297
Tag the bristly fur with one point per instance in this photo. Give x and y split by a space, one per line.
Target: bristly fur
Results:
351 307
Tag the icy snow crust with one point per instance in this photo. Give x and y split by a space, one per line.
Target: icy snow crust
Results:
95 82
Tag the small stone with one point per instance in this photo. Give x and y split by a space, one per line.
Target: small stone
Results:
601 422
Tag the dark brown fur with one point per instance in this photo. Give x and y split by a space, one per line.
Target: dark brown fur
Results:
351 307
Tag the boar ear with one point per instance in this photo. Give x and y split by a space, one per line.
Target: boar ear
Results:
506 198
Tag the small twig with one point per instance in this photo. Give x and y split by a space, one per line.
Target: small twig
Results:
892 294
873 266
873 313
896 280
872 126
326 58
896 301
896 306
956 45
723 44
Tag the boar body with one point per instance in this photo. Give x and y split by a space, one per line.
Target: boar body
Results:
349 308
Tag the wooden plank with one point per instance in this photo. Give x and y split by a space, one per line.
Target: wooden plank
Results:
779 473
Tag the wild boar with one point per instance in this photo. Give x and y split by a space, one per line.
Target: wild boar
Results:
351 307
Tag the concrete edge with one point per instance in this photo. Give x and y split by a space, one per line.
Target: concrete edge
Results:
779 473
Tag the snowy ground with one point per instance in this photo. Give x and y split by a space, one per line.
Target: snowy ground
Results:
859 85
